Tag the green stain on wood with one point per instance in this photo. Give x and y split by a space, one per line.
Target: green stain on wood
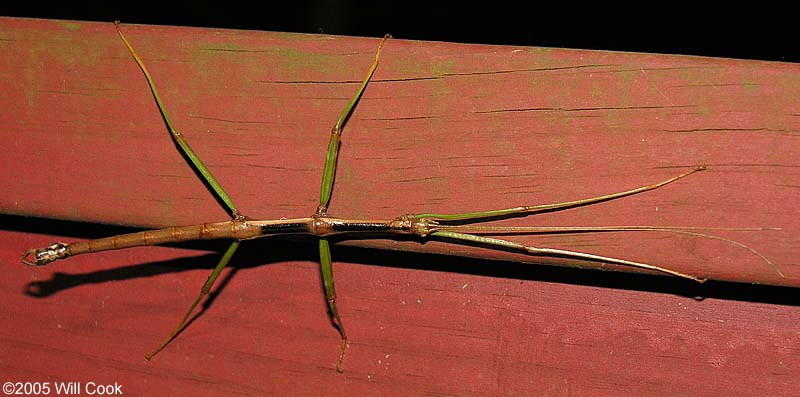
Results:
70 50
74 26
413 68
540 51
75 213
259 68
54 58
749 87
440 68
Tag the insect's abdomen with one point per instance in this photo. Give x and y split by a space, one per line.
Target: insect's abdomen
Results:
206 231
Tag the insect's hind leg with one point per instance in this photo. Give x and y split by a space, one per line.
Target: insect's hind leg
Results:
178 138
204 291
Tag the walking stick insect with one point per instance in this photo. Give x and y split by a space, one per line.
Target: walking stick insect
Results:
457 228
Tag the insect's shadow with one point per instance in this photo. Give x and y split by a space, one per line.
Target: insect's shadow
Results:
275 250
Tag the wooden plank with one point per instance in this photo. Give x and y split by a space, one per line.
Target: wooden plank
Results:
414 328
443 127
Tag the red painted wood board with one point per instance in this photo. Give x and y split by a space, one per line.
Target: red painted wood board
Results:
443 127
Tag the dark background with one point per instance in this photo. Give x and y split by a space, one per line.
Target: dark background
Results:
761 31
